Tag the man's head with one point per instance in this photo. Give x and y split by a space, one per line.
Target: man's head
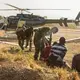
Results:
62 40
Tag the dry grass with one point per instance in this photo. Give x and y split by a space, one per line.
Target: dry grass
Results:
20 65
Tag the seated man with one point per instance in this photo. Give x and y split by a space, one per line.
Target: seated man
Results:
57 53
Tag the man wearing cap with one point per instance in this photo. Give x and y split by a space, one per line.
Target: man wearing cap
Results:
57 53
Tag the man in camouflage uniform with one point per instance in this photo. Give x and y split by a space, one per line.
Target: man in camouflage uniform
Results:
39 42
41 37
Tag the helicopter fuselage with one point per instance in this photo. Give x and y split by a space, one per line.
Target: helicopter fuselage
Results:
33 20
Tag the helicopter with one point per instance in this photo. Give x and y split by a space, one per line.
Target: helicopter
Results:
30 18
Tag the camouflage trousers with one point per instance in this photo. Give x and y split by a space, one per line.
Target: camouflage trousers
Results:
38 51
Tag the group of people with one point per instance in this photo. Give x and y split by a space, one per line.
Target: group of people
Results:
52 54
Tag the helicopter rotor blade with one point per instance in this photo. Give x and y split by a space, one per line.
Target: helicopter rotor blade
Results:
17 8
31 9
27 10
7 9
14 10
13 6
47 9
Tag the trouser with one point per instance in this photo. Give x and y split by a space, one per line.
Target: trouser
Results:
37 50
52 61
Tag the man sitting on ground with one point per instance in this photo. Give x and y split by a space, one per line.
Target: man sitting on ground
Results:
57 53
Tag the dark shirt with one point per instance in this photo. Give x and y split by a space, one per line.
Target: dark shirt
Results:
58 50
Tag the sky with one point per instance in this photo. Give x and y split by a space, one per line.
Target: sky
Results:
73 5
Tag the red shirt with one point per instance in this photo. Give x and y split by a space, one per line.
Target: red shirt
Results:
46 52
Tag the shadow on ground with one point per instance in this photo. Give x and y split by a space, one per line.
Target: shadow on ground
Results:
11 73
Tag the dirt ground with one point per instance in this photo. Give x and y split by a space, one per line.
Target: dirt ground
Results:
8 71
